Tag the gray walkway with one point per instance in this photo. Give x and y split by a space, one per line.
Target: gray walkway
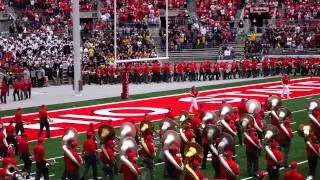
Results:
63 94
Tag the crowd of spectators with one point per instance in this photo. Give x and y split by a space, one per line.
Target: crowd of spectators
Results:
297 11
296 37
201 71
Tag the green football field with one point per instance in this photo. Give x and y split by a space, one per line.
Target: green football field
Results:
297 151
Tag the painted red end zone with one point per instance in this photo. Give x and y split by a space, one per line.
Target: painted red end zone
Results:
211 100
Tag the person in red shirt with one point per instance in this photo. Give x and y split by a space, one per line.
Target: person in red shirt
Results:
273 164
234 69
73 167
293 173
148 154
108 159
11 136
313 153
166 72
224 173
229 126
28 85
253 146
44 123
216 71
255 70
265 66
16 88
24 152
173 172
195 163
19 121
285 83
41 160
194 94
90 159
3 142
147 75
193 71
128 173
285 134
4 90
242 107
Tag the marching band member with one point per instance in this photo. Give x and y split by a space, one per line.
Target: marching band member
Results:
72 168
286 90
148 153
235 117
173 172
242 107
6 162
313 153
215 157
41 160
128 174
4 90
196 127
108 158
19 122
293 173
24 152
44 123
3 142
273 161
229 127
253 146
195 163
233 166
315 121
90 159
187 135
285 136
11 136
194 94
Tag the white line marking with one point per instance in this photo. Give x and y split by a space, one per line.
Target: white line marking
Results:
89 117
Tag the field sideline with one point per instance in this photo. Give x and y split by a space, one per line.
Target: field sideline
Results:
296 105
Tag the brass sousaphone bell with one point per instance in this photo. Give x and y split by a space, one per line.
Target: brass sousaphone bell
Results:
166 124
313 104
105 132
283 113
127 129
212 131
224 110
274 101
270 131
226 144
184 116
305 129
253 106
146 125
208 116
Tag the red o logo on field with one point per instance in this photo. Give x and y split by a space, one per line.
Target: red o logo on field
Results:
130 111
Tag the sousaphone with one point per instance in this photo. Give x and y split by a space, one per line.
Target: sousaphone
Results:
166 124
253 106
70 136
171 138
192 151
146 125
283 113
305 129
127 129
245 120
105 133
226 144
128 144
224 110
208 116
184 116
311 107
274 101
